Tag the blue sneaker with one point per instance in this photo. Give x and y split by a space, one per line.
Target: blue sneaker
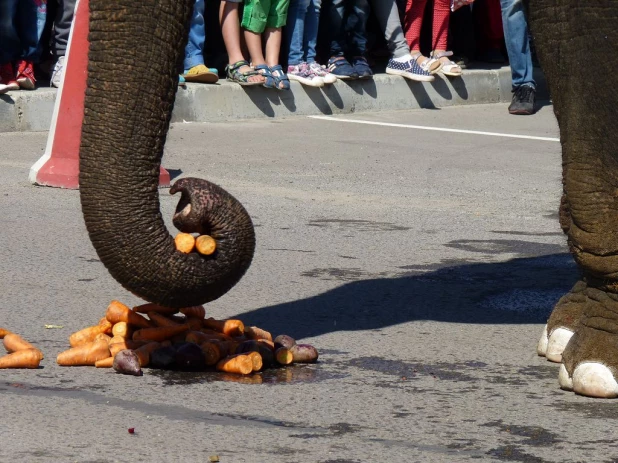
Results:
361 66
341 68
410 70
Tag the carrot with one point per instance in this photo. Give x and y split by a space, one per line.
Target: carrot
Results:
145 308
253 332
106 323
240 364
284 356
229 327
212 352
118 343
267 343
3 333
86 335
25 358
185 242
143 353
104 337
86 354
14 342
122 329
256 360
160 333
118 312
212 334
205 245
161 320
194 323
194 311
104 363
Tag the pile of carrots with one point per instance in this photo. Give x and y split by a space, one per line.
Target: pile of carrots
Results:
151 335
21 354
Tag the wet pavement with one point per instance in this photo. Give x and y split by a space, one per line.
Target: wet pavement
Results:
421 264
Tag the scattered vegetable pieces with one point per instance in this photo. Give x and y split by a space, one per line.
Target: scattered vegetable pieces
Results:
21 354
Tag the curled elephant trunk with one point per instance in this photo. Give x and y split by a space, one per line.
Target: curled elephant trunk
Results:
135 53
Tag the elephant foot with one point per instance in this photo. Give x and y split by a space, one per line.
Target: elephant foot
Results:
562 323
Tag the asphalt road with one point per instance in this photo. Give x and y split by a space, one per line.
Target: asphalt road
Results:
421 263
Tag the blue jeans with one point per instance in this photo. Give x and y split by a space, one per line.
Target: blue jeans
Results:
302 30
517 40
21 26
194 51
348 23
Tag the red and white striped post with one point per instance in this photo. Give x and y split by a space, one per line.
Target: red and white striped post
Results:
59 165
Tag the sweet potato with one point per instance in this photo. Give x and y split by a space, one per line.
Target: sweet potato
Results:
14 342
253 332
127 363
118 312
240 364
229 327
150 307
86 354
284 356
24 358
304 353
283 340
160 333
205 245
197 311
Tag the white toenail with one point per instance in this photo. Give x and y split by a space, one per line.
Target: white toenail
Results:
558 340
541 348
565 381
594 380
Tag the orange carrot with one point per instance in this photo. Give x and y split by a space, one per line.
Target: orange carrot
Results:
14 342
150 307
185 242
86 354
284 356
104 337
229 327
3 333
253 332
267 343
104 363
122 329
194 311
240 364
118 312
256 360
212 353
86 335
143 353
106 323
205 245
160 333
118 343
212 334
25 358
162 320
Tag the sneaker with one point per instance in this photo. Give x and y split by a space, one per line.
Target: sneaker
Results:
341 68
56 77
7 78
409 69
202 74
361 66
303 74
25 75
321 71
523 100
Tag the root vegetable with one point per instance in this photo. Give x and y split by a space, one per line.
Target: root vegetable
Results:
229 327
86 335
118 343
118 312
161 320
122 329
3 333
145 308
239 364
14 342
86 354
284 356
160 333
304 353
185 242
268 357
104 337
212 352
266 343
256 359
197 311
253 332
127 363
189 356
25 358
104 363
205 245
163 357
143 352
195 323
283 340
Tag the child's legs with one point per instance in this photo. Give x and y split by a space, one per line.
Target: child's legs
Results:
28 29
336 15
253 24
230 29
9 50
194 51
277 18
441 16
295 30
312 22
62 26
356 25
387 14
413 20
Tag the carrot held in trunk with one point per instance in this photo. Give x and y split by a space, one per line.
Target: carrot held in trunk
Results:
118 312
14 342
229 327
239 364
86 335
185 242
205 245
25 358
86 354
160 333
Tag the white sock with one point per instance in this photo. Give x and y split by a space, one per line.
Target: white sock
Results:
403 59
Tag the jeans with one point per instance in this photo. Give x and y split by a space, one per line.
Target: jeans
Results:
21 26
351 39
517 40
302 30
194 51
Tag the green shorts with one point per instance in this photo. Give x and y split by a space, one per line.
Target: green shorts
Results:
260 14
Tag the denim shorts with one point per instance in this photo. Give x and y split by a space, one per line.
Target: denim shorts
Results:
260 14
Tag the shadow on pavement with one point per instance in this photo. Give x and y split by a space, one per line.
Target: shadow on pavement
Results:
519 291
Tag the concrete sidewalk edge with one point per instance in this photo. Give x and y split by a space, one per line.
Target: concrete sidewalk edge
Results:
25 111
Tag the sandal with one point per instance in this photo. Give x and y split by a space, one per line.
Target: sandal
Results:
234 74
264 70
281 78
430 65
449 68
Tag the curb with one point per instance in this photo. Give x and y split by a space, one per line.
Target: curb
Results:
25 111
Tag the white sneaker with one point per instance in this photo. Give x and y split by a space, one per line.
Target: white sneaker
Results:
321 71
56 77
301 73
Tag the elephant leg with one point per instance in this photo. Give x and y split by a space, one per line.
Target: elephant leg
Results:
577 43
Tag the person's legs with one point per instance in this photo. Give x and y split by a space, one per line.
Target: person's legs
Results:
295 30
337 64
387 14
312 22
413 21
277 18
62 29
441 16
194 51
9 48
356 26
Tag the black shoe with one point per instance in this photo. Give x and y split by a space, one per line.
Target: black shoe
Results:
523 100
361 67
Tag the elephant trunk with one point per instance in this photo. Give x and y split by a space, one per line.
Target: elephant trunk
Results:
135 53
